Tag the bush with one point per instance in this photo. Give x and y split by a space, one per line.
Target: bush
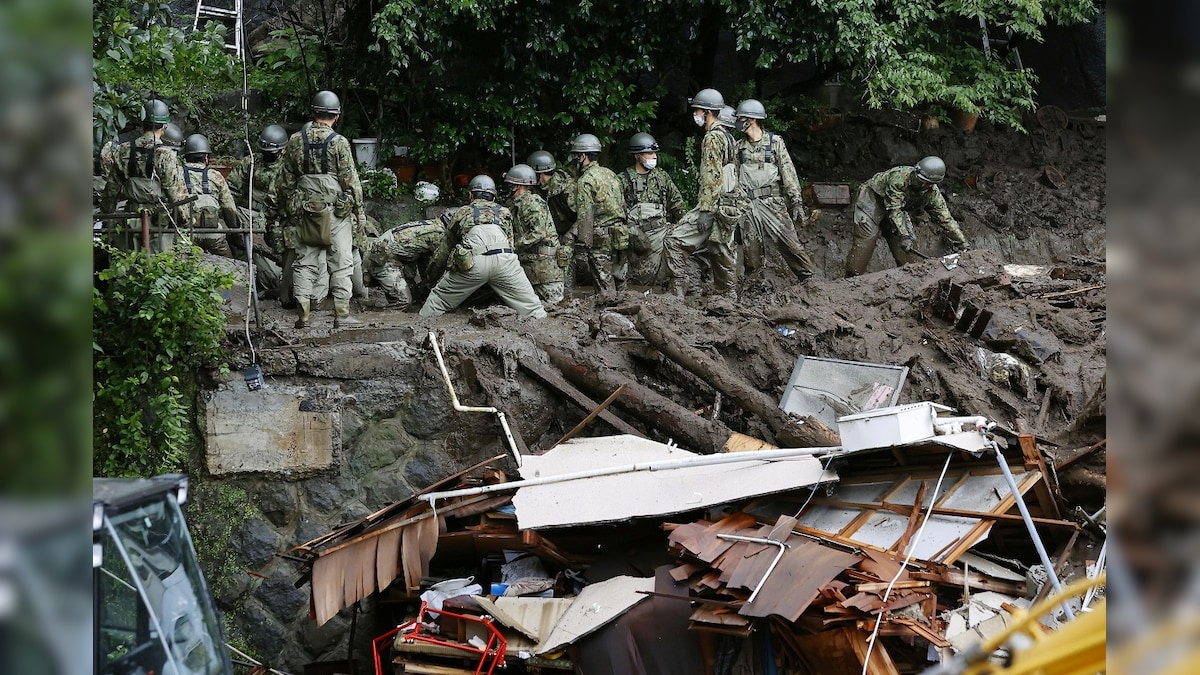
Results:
157 322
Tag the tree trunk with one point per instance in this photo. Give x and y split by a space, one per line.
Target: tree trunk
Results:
791 431
660 413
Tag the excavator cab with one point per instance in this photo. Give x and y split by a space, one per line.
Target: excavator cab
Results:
152 613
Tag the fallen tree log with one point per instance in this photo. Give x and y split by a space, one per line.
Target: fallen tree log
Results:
689 430
791 431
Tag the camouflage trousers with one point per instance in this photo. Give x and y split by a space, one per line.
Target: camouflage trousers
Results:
336 260
689 236
767 219
608 268
647 263
130 236
550 293
502 272
869 226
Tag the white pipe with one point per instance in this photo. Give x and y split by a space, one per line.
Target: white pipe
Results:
760 540
658 465
512 444
1091 594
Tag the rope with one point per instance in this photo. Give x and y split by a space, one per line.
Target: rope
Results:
912 547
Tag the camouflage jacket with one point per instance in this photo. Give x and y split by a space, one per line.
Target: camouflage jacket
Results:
217 187
264 176
655 187
164 166
537 240
339 162
750 153
559 194
478 212
410 243
599 190
716 150
899 196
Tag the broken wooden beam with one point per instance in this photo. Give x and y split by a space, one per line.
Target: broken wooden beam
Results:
658 412
555 380
591 416
790 431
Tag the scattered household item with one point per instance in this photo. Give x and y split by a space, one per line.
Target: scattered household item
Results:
830 388
365 151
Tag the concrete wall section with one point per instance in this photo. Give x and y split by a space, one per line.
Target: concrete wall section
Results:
282 430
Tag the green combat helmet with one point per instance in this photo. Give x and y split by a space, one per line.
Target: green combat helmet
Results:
727 117
585 143
541 161
642 142
931 169
196 145
482 186
156 112
172 136
272 139
521 174
326 103
707 99
752 109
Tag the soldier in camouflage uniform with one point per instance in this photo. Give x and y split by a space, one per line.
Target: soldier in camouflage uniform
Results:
713 223
600 229
283 235
767 176
214 207
654 205
481 252
258 176
884 207
320 181
557 187
395 258
536 240
145 173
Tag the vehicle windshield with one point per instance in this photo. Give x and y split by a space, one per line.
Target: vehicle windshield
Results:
155 613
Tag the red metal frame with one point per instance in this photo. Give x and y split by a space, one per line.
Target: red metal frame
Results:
491 655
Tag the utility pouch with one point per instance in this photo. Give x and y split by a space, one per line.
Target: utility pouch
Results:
620 236
316 223
143 190
343 205
563 256
462 258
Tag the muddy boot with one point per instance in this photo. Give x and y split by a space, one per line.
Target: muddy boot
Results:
678 287
304 313
341 315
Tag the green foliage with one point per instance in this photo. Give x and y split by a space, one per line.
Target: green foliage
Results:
157 321
284 68
686 173
906 54
136 52
218 511
380 184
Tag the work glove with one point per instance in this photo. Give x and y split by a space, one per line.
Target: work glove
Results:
906 243
799 214
706 219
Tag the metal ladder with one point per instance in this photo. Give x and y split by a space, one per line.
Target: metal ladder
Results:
221 11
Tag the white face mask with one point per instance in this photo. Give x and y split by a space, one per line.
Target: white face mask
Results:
650 162
698 118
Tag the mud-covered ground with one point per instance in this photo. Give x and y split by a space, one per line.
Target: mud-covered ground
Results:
1038 365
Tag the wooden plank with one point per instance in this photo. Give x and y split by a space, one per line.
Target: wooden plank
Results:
797 580
976 533
883 585
1079 454
914 520
556 381
953 576
1060 562
387 559
1034 461
591 416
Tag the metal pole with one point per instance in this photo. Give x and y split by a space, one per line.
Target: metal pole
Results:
252 277
1033 533
146 232
759 540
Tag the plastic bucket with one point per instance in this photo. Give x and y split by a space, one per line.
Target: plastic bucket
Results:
365 151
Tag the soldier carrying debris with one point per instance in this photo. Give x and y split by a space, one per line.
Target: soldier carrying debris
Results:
884 207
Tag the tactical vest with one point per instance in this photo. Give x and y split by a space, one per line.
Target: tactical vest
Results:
206 210
643 214
760 179
317 193
142 187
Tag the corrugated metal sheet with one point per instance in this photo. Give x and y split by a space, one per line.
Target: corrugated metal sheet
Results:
534 618
595 606
644 493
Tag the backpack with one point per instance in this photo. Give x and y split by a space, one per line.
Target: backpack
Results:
206 210
142 187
